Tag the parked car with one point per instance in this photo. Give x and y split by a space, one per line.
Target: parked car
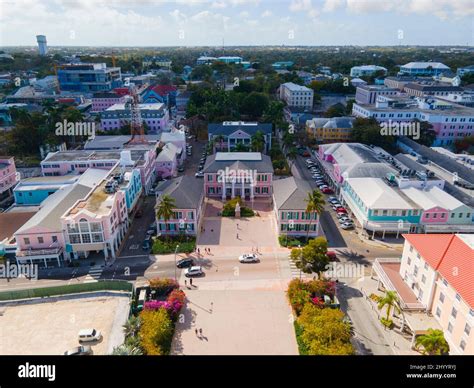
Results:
327 190
139 213
249 258
309 161
185 263
332 256
180 169
199 174
89 335
341 214
341 209
347 225
84 350
322 186
344 219
193 271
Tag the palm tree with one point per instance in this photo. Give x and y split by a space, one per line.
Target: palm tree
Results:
240 147
315 204
258 141
291 155
126 350
390 299
218 140
433 343
165 209
132 326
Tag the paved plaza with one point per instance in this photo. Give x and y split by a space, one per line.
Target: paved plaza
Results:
236 322
253 232
241 308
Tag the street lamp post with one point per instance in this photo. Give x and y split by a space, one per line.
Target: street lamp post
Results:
301 254
175 268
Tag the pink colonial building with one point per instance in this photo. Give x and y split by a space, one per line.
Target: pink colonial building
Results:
9 177
435 276
96 223
41 239
142 157
289 204
104 100
248 175
188 195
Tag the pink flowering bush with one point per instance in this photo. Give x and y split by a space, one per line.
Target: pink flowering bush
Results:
172 305
318 302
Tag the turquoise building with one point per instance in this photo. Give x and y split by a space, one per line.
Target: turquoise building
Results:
33 191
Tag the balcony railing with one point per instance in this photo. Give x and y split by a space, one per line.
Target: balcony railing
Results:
39 252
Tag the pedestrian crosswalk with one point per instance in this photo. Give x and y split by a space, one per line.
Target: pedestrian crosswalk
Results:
93 275
295 272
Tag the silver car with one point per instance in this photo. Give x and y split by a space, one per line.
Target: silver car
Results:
249 258
193 271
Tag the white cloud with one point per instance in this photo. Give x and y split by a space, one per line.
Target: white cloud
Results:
266 13
300 5
332 5
218 4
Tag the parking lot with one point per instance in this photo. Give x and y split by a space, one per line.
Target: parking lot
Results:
51 327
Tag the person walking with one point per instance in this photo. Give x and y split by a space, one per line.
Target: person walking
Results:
191 282
185 283
200 332
196 331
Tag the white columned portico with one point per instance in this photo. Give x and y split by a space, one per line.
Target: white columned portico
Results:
223 188
233 189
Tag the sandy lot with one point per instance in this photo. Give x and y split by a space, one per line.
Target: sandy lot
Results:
50 328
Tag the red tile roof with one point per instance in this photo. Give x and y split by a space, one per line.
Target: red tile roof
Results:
457 267
452 256
163 90
431 247
122 91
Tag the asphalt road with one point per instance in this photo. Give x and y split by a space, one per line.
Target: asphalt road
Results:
368 332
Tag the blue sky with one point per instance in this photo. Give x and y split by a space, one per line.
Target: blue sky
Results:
238 22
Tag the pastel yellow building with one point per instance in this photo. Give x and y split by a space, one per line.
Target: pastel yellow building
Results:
330 130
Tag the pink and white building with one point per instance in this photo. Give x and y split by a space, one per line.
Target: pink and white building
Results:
188 195
450 121
289 203
104 100
41 240
167 161
9 177
435 275
245 174
96 223
142 157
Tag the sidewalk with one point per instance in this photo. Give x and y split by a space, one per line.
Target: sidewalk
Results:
401 344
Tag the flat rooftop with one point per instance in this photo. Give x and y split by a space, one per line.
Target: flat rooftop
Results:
228 156
138 155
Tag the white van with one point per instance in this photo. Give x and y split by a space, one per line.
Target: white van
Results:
89 335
